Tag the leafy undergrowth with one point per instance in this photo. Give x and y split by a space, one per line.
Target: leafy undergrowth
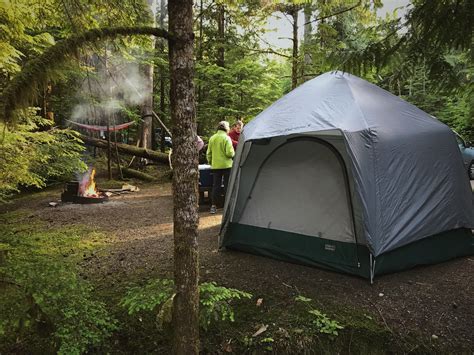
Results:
46 305
259 325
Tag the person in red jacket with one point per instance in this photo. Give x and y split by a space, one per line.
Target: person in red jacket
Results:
234 133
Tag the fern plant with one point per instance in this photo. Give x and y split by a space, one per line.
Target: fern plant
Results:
215 301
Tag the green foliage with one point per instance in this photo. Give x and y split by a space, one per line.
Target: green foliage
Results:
31 155
148 297
323 323
215 301
300 298
267 342
450 99
247 80
320 320
17 39
245 87
43 293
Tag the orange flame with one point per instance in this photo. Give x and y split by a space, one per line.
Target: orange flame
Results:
87 188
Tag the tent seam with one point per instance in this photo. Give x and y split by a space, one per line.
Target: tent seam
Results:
374 160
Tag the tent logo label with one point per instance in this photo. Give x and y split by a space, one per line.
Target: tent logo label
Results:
330 247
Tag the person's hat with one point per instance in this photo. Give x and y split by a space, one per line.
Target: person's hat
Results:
223 125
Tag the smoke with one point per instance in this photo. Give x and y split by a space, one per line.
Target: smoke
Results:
154 8
107 92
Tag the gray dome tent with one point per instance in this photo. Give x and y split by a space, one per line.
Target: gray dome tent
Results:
341 174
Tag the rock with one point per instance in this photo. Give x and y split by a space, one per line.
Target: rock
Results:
380 294
434 337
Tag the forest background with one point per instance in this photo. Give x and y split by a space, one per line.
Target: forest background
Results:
238 72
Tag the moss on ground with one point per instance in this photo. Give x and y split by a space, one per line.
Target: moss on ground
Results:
26 234
290 329
43 298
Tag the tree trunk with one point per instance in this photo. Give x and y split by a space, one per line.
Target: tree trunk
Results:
109 146
147 105
294 69
322 5
147 108
161 47
220 35
199 57
307 39
185 178
220 49
162 109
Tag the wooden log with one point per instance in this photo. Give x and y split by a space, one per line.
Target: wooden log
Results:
137 174
127 149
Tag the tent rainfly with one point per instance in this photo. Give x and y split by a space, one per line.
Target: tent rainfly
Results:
343 175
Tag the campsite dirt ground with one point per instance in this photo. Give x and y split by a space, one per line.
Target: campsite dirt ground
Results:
430 300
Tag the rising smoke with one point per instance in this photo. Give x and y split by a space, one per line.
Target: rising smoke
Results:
105 93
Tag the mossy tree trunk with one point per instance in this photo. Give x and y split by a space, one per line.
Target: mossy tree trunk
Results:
126 149
185 178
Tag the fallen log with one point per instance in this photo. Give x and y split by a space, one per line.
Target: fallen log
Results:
127 149
137 174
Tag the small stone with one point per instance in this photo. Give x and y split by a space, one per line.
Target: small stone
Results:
455 305
434 337
380 294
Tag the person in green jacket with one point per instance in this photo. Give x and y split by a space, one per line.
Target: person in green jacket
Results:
219 155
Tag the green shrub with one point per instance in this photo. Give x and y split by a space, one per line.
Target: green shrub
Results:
215 301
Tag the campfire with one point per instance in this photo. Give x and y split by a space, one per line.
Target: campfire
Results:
87 185
83 191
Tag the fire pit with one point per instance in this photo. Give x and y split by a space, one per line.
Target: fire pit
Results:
84 191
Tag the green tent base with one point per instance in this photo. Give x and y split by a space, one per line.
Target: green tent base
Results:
347 257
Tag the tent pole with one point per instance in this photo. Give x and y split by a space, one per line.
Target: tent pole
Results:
371 264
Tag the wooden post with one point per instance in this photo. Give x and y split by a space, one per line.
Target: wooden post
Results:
117 153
